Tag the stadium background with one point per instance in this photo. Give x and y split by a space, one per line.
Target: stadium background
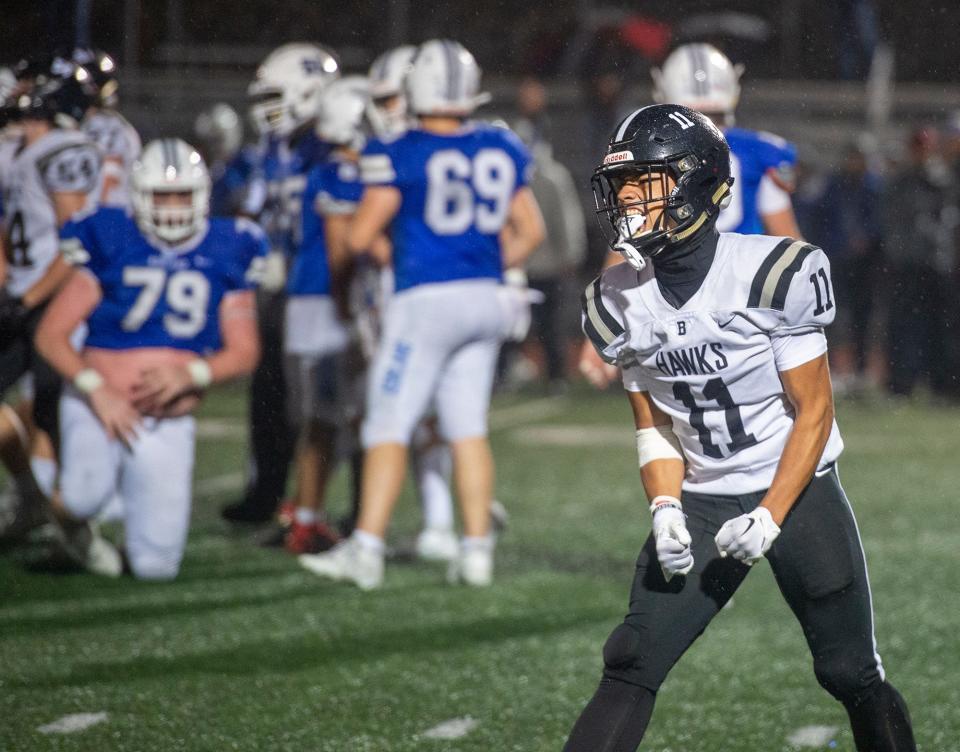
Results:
244 651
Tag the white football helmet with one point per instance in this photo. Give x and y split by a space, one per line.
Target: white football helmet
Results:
443 80
220 130
285 92
167 166
342 107
700 77
388 103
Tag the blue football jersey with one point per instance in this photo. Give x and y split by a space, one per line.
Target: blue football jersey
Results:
276 188
753 155
230 182
156 296
456 193
332 187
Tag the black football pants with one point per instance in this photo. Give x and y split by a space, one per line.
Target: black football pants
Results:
819 566
271 437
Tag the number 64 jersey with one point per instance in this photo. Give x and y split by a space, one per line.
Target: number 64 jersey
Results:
713 364
155 295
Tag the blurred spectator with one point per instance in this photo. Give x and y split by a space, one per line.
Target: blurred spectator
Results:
533 122
843 218
552 267
919 223
858 33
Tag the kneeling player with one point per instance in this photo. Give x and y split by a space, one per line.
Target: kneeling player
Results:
168 301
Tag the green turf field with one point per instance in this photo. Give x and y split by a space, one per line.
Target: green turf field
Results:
247 652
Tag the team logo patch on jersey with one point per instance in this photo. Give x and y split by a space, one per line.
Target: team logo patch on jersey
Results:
618 156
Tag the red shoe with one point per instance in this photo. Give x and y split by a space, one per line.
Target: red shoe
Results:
300 539
326 536
285 512
310 539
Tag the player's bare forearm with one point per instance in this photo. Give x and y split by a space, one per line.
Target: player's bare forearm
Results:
76 300
524 231
782 223
241 342
377 208
66 204
808 388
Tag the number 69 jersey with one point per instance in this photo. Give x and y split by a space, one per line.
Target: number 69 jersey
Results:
155 295
456 193
713 364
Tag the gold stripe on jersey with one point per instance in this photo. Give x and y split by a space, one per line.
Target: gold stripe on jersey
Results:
773 278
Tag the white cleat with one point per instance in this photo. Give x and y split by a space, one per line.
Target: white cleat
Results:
437 544
347 562
84 545
472 567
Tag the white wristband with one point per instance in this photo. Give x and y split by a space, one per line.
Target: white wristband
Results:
200 373
88 381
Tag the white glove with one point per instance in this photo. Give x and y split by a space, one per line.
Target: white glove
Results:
673 540
515 301
273 275
747 537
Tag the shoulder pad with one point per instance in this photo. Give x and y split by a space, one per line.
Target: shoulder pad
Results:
772 280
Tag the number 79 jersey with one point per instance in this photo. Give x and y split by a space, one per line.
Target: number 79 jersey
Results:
456 192
713 365
160 296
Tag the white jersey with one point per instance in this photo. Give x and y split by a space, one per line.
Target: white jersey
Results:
61 161
713 364
120 145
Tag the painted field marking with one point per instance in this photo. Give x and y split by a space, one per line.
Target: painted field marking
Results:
455 728
813 736
71 724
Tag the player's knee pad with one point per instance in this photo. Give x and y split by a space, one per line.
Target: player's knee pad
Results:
154 565
847 676
85 490
622 650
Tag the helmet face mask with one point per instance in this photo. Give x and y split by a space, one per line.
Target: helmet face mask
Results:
285 93
170 189
664 179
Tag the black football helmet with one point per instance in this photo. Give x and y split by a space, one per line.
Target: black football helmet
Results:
61 94
103 70
663 143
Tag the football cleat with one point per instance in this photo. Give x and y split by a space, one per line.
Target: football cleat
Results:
310 539
83 544
348 561
437 544
473 566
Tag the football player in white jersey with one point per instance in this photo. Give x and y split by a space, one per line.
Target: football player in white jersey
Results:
720 340
117 139
454 197
702 78
52 173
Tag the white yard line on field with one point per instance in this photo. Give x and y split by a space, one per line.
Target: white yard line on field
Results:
71 724
813 736
455 728
526 412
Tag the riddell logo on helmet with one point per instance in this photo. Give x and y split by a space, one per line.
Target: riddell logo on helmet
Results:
618 156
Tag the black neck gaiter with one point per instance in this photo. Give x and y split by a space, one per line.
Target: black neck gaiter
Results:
682 270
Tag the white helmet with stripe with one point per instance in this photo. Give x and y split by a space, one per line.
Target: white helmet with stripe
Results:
444 80
166 167
285 92
700 77
388 103
342 107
